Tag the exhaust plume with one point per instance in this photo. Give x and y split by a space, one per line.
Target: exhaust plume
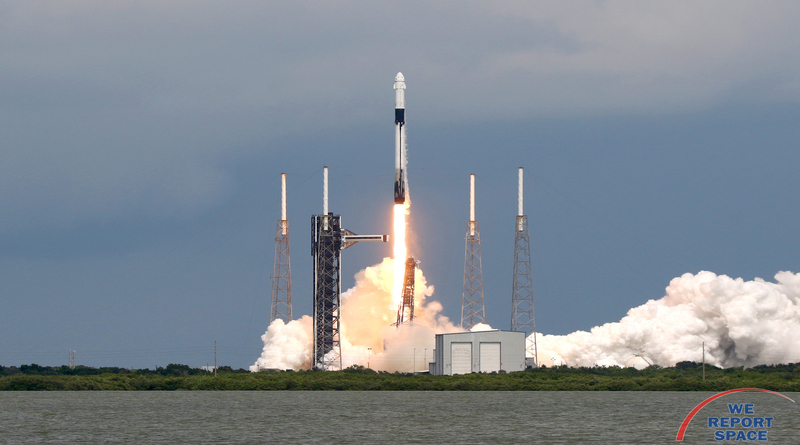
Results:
743 323
287 345
368 309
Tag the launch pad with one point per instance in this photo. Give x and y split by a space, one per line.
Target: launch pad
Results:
328 239
326 248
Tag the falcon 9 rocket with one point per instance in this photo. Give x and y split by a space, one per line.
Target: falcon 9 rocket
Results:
399 139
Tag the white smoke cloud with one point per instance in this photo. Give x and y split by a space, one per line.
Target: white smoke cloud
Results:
287 345
481 327
743 323
367 337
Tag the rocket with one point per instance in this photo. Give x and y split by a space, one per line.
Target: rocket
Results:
399 138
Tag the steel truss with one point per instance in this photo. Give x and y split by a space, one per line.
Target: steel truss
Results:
405 310
328 239
326 248
522 315
472 308
282 276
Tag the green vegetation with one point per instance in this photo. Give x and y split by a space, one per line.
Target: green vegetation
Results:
685 376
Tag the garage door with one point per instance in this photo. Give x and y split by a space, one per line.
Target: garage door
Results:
490 357
461 357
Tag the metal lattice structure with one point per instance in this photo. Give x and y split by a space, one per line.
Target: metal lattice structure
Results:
472 308
328 239
522 315
326 248
405 310
282 276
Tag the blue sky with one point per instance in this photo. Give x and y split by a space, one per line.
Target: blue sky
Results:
143 145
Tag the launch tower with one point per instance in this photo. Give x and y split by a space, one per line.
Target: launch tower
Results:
282 273
472 308
522 316
326 245
327 241
405 311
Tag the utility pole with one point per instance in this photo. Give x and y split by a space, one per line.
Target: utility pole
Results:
215 359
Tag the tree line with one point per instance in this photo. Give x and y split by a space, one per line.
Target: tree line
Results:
684 376
170 370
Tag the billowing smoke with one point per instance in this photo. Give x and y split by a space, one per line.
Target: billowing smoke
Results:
743 323
286 345
368 310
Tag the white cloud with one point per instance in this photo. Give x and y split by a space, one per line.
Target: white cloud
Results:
104 105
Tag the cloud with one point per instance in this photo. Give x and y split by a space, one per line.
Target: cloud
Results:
110 109
736 323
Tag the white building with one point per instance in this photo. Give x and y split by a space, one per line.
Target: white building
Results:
482 351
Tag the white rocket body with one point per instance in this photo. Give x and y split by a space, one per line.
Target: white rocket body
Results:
399 138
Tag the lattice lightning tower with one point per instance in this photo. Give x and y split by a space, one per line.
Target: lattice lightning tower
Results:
472 308
522 315
282 273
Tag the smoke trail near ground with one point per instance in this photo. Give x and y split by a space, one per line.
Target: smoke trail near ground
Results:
287 345
368 310
743 323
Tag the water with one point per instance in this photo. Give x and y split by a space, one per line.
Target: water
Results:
375 417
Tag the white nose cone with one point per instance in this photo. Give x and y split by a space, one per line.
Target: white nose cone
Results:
399 93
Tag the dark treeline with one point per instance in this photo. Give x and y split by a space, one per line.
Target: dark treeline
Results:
171 370
685 376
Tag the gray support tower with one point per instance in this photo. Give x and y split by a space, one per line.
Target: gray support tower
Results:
328 239
282 273
522 315
326 248
472 308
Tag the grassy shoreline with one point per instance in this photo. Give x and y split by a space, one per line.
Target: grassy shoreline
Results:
685 376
